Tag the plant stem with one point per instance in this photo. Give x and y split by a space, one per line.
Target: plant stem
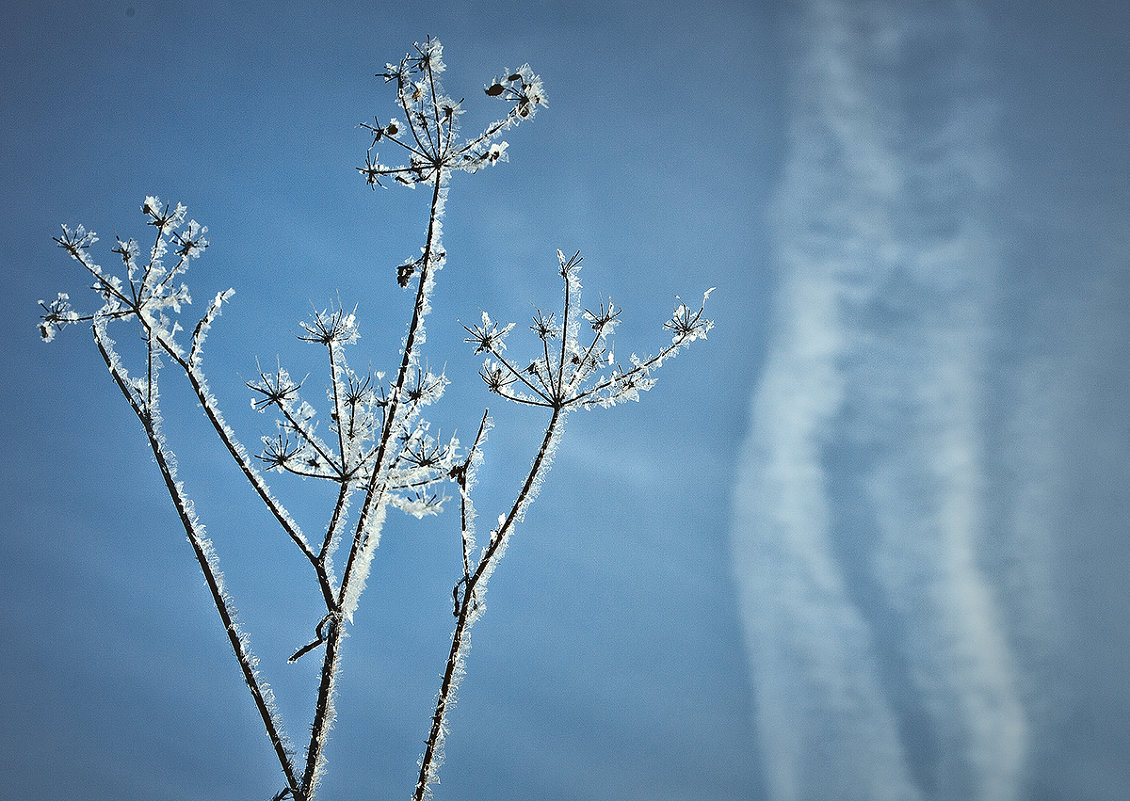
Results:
207 403
374 493
468 606
374 496
323 712
201 551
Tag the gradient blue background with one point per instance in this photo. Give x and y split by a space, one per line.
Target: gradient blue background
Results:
729 144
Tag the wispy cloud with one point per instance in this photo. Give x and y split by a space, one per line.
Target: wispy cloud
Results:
881 663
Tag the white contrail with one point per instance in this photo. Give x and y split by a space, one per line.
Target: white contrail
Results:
880 661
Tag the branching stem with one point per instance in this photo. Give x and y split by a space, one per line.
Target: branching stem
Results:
383 449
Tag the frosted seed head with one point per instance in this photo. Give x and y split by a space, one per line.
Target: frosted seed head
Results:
488 336
331 326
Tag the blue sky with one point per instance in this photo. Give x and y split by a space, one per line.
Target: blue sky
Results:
868 538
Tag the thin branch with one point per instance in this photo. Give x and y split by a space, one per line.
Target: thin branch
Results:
201 329
384 134
435 109
320 637
407 113
205 558
314 441
489 133
374 492
463 477
523 401
331 530
469 606
579 374
518 374
334 381
238 452
641 368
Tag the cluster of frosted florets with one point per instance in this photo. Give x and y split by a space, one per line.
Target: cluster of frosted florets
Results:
430 135
425 387
273 389
147 291
688 324
57 315
331 326
487 335
576 373
522 87
359 405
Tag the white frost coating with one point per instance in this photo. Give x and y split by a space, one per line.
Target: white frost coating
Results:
435 264
327 727
208 402
147 407
467 487
458 674
371 538
417 506
499 540
334 539
205 324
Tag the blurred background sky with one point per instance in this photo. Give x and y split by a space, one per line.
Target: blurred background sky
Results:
868 541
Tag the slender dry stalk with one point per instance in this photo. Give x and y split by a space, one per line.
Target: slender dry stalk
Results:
381 452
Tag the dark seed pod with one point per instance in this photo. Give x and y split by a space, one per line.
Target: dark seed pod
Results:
495 89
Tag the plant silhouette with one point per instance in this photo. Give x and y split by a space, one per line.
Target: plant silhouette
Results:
379 450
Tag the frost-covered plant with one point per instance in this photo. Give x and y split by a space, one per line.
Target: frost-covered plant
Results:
379 451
